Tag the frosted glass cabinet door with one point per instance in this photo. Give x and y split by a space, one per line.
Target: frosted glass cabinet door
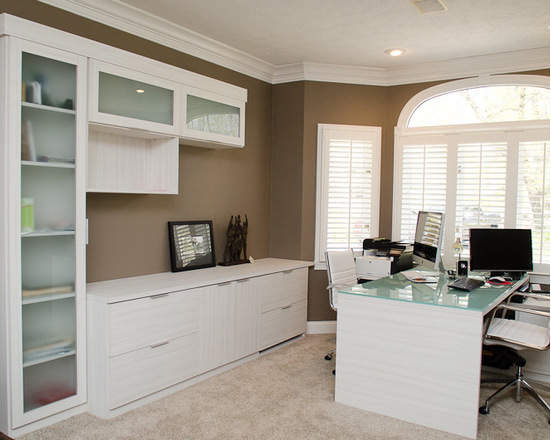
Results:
212 117
46 254
126 98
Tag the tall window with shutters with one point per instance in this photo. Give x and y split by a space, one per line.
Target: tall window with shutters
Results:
478 150
348 180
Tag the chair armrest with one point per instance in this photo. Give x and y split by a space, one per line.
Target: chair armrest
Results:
523 310
538 296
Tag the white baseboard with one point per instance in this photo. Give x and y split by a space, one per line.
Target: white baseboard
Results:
321 327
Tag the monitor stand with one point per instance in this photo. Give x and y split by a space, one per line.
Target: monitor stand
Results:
507 275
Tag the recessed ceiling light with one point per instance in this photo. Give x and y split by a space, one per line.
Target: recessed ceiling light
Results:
395 52
140 90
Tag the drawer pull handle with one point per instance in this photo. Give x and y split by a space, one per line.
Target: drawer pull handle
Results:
224 284
160 295
246 280
160 344
287 272
288 306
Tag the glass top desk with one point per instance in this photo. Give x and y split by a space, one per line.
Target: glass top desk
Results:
413 351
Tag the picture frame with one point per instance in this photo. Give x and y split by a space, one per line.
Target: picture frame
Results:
191 245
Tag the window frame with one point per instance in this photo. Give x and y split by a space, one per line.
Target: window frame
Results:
322 183
453 135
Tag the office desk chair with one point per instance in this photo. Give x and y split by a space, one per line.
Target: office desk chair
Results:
517 335
341 272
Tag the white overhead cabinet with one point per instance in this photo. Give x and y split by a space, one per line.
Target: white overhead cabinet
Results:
42 289
132 147
128 98
211 119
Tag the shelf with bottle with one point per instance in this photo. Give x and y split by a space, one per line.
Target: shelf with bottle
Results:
47 137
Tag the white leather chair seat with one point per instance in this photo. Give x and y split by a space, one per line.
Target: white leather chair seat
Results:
518 333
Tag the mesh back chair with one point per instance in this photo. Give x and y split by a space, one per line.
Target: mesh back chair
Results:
341 273
516 335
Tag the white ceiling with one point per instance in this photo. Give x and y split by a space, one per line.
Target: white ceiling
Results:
357 32
278 33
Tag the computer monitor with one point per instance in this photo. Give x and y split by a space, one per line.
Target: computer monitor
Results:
501 251
427 244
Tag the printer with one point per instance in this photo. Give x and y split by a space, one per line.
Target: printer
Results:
381 257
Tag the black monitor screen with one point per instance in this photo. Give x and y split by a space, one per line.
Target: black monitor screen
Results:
501 250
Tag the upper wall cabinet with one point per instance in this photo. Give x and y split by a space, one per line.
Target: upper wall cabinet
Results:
127 98
212 120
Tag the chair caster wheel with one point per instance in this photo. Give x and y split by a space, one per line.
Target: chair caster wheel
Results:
328 357
484 410
333 372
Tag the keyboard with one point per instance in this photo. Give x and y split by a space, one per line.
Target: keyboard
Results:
467 284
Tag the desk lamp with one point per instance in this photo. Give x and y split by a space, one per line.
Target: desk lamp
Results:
457 248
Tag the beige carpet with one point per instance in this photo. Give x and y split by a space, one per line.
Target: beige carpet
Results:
286 394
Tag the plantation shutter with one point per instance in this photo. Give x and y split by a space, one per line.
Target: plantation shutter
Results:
481 180
423 184
348 187
533 196
349 193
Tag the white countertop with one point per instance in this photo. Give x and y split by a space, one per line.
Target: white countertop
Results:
124 289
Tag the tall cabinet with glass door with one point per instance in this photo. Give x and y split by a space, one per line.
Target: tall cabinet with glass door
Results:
43 224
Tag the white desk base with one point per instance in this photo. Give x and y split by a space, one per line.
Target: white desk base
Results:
414 362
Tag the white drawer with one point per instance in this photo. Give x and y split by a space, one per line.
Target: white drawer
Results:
148 321
283 288
281 324
142 372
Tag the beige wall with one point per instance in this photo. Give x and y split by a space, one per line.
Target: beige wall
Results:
272 180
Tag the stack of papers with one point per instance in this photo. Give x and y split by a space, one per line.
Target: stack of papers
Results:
422 276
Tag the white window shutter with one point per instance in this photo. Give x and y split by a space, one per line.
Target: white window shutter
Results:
348 187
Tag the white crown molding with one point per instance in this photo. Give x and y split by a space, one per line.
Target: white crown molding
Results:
374 76
142 24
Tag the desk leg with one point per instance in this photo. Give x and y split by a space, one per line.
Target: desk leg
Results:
415 362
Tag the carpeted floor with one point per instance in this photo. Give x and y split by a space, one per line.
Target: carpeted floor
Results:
285 394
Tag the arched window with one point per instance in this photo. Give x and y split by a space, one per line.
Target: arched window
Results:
478 150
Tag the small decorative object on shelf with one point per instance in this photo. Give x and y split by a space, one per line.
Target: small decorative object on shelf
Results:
236 246
27 214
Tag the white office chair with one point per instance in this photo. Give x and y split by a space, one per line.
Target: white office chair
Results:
517 335
341 272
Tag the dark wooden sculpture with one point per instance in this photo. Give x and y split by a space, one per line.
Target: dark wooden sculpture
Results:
236 245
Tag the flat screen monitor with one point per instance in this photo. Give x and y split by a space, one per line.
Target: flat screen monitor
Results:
427 244
501 251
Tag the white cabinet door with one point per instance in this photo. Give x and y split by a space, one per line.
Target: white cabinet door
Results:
45 280
127 98
211 120
152 320
283 289
229 327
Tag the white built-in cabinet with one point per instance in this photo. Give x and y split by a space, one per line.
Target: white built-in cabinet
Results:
208 117
42 290
77 116
152 335
132 142
123 97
